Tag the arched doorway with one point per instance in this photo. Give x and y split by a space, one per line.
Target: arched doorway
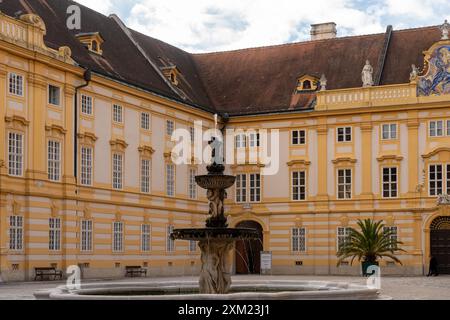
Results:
248 253
440 243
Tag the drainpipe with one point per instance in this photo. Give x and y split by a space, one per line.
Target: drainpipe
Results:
87 77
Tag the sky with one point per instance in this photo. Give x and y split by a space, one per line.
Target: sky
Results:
218 25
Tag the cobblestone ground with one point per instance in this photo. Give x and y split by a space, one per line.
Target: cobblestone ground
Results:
399 288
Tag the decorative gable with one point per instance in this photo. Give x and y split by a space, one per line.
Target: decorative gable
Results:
92 41
171 73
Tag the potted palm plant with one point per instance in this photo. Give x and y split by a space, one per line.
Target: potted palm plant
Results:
370 244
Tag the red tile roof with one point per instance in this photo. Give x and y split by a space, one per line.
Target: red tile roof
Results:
248 81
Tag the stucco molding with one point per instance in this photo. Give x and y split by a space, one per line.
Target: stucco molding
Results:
16 122
87 138
55 130
344 160
299 163
146 151
390 157
435 152
118 145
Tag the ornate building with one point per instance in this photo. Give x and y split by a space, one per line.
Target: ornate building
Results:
87 177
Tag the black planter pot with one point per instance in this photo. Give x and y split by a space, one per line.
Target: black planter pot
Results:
365 267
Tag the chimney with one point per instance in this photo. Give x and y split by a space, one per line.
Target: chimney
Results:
322 31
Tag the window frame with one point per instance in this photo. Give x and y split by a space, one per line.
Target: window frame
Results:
436 180
345 236
298 239
254 185
86 235
170 183
50 96
170 243
145 175
192 187
345 184
145 121
54 160
436 128
118 237
117 173
16 170
170 127
345 134
85 106
241 188
118 114
299 186
390 136
86 171
15 231
15 86
390 183
240 141
54 234
299 137
254 140
146 237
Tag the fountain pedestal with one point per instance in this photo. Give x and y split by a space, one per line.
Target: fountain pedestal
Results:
215 275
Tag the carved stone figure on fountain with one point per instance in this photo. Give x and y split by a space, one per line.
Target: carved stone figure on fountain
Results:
217 217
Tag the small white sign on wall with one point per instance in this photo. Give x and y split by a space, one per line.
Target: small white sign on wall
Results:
266 262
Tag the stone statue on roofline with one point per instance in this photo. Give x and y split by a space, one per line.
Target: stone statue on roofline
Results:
323 83
445 28
414 73
367 75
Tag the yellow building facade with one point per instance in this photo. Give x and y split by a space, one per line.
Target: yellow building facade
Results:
380 152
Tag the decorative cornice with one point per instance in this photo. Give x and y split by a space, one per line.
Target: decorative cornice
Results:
390 157
17 119
344 159
299 162
435 152
118 143
87 137
56 128
258 165
146 151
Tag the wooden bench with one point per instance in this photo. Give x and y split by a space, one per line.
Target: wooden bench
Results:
47 272
132 271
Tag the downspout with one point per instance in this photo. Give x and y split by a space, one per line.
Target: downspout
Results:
87 77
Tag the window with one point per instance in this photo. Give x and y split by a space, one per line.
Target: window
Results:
94 46
170 242
241 141
86 235
16 233
344 134
15 154
145 175
192 184
436 128
306 85
54 160
16 84
145 121
255 187
86 166
170 180
448 179
393 235
390 182
299 240
54 95
389 131
192 134
241 188
54 235
117 113
145 237
192 246
343 237
436 180
345 184
254 140
170 127
118 237
299 185
117 171
298 137
86 104
448 127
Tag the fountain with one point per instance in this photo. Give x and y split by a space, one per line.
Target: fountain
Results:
216 242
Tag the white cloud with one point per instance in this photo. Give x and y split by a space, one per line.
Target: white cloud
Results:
204 25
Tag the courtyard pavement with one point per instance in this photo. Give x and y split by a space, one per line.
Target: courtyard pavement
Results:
399 288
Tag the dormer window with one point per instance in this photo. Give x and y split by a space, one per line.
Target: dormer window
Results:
171 73
307 83
92 41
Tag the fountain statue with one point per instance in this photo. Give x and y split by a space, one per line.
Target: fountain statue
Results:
216 241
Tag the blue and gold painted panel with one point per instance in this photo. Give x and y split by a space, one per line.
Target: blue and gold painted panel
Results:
437 79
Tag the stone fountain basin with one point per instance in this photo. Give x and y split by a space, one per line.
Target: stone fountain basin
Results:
240 290
206 234
215 181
